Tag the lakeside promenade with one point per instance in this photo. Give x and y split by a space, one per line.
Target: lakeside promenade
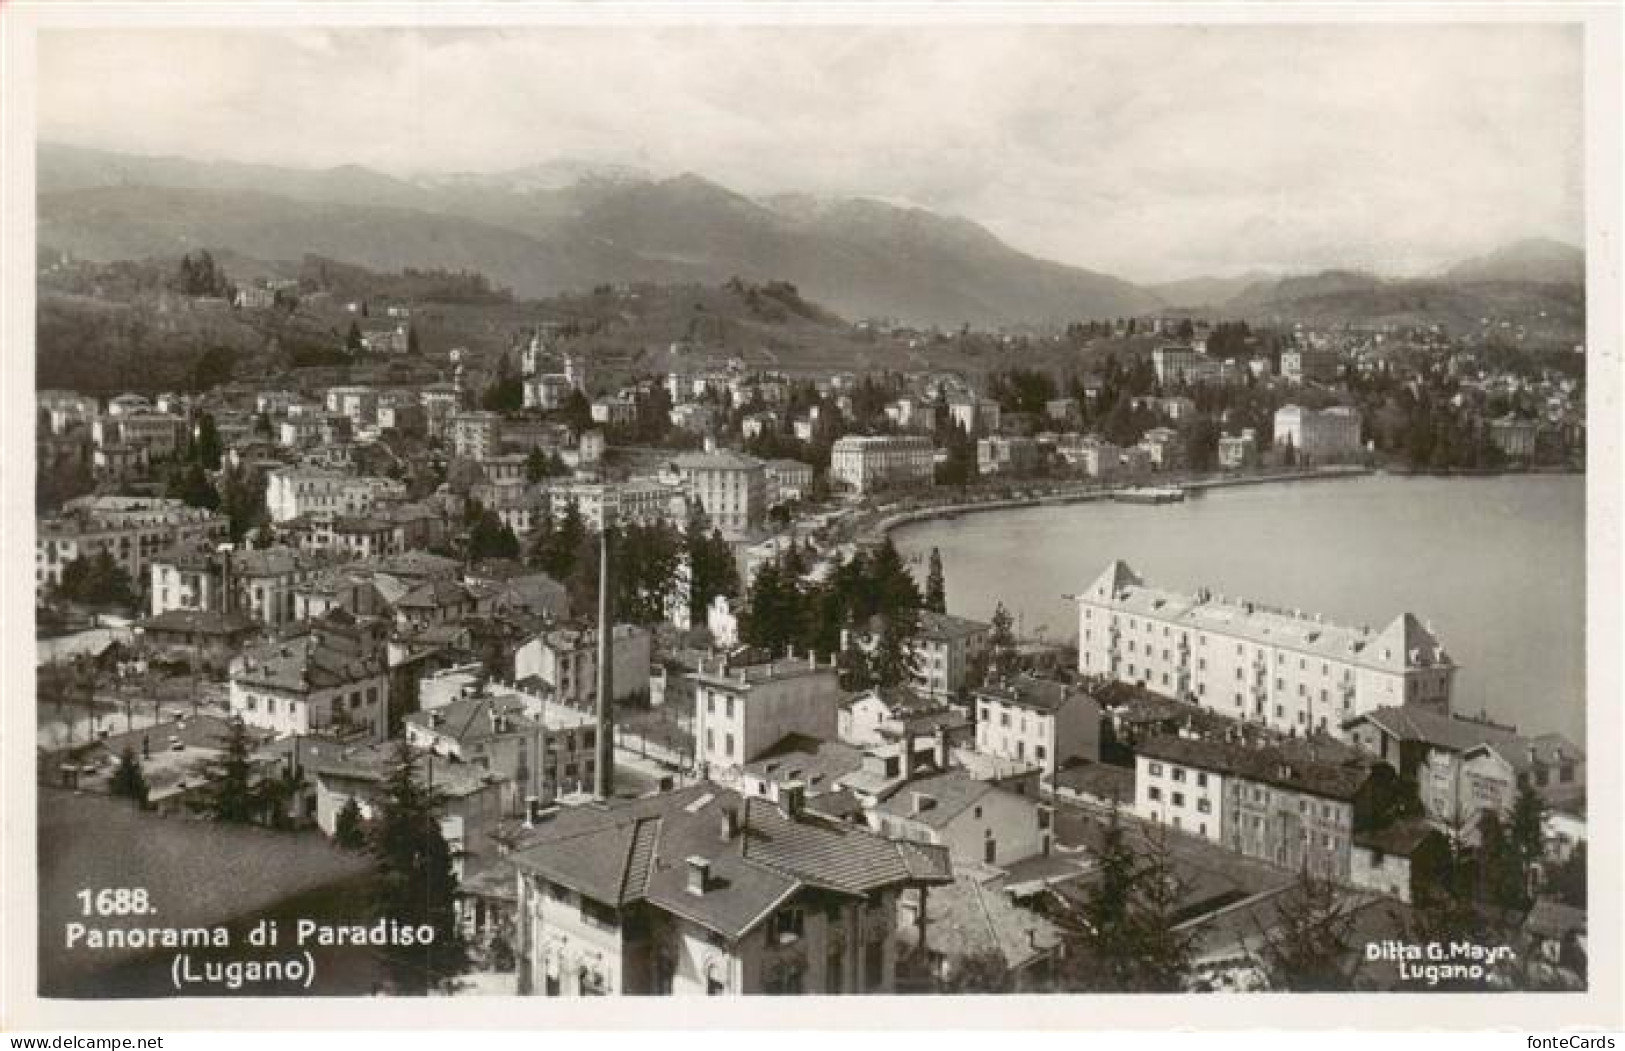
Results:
953 505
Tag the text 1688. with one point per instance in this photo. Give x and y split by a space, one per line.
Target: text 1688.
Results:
115 901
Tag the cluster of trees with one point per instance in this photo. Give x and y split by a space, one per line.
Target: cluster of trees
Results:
413 879
97 581
872 594
1419 424
199 477
201 277
348 281
651 562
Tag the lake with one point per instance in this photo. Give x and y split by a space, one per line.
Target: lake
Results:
1496 566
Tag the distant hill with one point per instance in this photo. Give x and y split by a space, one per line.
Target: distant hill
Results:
1199 293
1535 260
862 258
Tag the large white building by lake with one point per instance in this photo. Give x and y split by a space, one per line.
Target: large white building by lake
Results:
1285 669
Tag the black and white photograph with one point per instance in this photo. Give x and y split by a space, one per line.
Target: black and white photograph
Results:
716 506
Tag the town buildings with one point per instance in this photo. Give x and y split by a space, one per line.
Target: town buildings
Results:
318 682
297 491
947 648
702 892
870 463
979 822
1037 723
730 486
131 530
739 712
1288 670
1319 436
566 661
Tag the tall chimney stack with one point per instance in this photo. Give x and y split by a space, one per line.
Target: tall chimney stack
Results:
604 768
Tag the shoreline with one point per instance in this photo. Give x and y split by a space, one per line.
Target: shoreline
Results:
914 516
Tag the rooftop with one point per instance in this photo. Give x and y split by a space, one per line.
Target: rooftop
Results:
1318 768
641 850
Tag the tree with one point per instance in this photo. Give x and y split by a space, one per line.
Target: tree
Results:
541 465
190 484
852 667
1001 645
206 445
96 580
232 797
1308 947
415 883
1121 937
983 972
1526 832
349 830
352 341
895 662
936 588
491 538
129 782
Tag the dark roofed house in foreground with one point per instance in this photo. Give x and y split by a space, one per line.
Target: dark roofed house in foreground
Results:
706 892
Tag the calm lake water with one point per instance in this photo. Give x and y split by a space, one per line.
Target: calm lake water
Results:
1496 565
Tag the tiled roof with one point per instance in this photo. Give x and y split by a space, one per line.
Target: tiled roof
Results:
950 794
1404 643
1041 695
638 850
1429 726
934 625
1551 918
1525 753
720 460
471 719
201 622
305 662
1402 838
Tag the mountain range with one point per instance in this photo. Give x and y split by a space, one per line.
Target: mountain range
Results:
564 227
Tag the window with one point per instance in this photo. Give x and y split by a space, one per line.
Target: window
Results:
710 740
1153 793
1203 806
728 746
1155 769
1179 799
786 926
1201 779
1179 773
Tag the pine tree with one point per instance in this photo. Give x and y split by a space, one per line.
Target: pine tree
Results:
852 667
895 662
1308 948
1526 831
128 780
232 798
206 449
936 588
349 830
1001 645
1122 936
415 882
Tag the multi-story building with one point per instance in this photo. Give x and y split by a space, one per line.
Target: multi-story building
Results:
476 435
1515 438
1175 363
1286 804
878 462
1285 669
1319 436
787 480
131 530
258 584
320 682
615 412
359 403
1494 772
297 491
1426 746
545 749
1008 456
946 647
1238 451
566 660
740 712
731 487
161 434
1037 723
1310 366
1162 446
978 822
973 415
704 892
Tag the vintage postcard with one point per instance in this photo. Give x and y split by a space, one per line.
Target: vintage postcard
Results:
1111 510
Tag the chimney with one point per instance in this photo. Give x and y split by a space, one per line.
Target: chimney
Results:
908 755
792 798
729 824
1534 755
699 875
940 749
921 802
710 443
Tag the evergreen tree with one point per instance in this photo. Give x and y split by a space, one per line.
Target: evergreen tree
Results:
936 587
895 661
491 538
1001 645
232 797
1526 832
190 484
352 340
96 580
1308 948
349 830
415 881
206 446
852 667
1121 937
129 782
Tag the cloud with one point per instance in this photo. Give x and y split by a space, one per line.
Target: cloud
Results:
1152 152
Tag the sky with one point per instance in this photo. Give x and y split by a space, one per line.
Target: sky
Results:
1149 152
